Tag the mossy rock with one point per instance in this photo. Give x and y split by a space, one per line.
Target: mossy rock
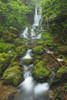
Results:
40 71
38 50
62 49
38 57
5 47
5 60
13 75
18 41
21 50
28 61
16 63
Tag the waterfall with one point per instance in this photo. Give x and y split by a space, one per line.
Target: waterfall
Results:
37 21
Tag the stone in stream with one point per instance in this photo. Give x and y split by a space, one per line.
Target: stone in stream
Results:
40 72
27 61
38 50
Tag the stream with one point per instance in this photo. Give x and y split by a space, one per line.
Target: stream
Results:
30 89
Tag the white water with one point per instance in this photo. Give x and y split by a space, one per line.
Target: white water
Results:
27 56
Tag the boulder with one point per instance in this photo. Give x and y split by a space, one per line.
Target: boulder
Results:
28 61
38 50
5 60
13 75
40 72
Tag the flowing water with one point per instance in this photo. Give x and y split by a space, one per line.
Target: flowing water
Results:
30 90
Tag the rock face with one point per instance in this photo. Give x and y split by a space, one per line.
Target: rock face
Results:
13 75
38 50
40 72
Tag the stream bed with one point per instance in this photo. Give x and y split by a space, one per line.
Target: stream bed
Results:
29 88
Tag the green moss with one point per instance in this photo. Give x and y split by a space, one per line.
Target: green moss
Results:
13 75
28 61
39 70
38 50
5 60
20 50
5 47
16 63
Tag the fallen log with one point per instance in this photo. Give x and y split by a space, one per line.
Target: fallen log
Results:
54 56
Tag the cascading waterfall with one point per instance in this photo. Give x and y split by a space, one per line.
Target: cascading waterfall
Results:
35 26
30 90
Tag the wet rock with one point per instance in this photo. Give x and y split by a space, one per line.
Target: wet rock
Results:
28 61
38 50
13 75
40 72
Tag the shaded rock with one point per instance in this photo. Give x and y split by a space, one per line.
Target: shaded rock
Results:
13 75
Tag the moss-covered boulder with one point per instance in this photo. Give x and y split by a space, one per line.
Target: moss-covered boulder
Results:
21 50
16 63
28 61
38 50
13 75
40 71
5 60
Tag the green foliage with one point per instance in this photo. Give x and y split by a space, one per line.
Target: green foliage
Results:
14 13
5 47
